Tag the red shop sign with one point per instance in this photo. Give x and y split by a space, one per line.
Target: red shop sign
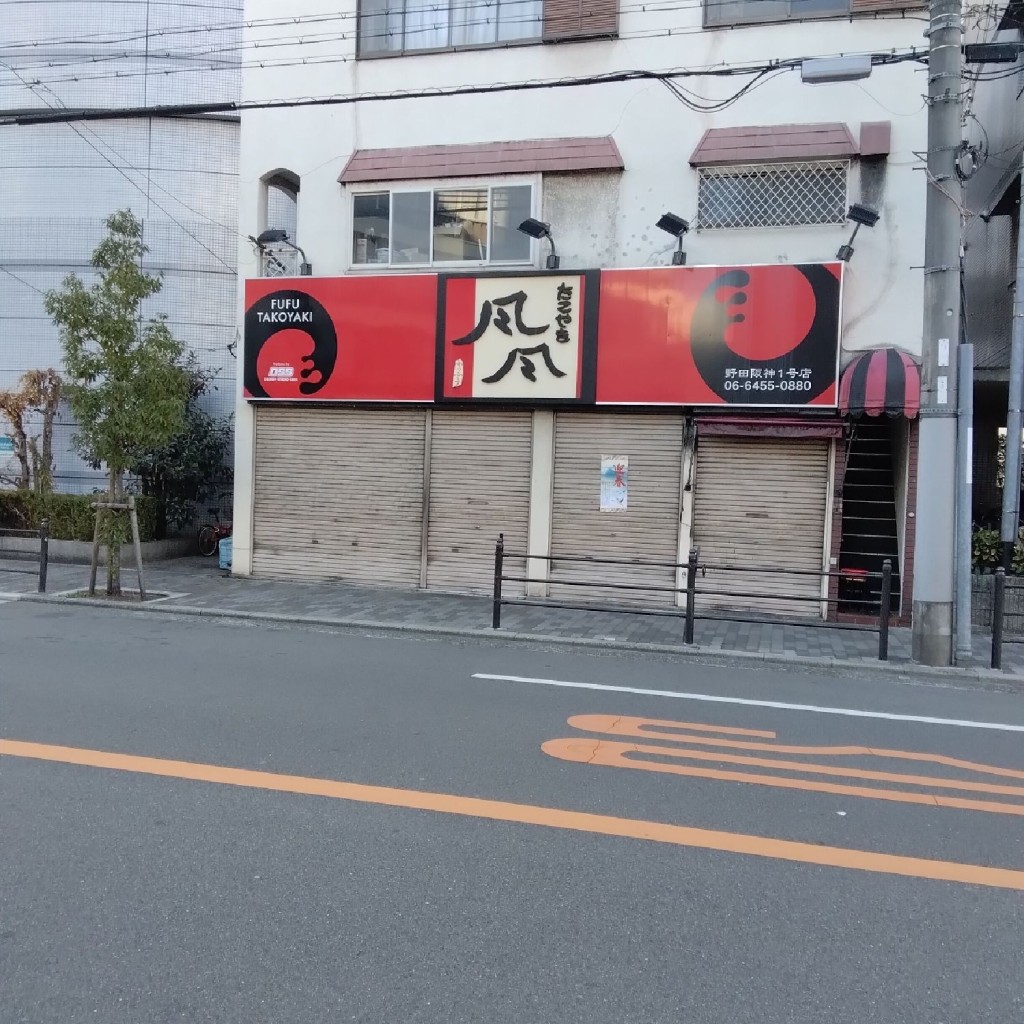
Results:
758 336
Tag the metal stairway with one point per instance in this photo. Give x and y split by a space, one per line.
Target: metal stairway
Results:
869 520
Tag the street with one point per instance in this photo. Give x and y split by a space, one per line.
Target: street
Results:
212 821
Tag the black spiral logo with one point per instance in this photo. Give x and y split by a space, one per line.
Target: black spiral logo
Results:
815 351
264 319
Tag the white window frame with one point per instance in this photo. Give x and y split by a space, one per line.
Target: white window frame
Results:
440 185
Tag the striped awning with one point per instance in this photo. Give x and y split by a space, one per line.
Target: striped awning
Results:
884 380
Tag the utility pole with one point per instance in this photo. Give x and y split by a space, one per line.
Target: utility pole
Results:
936 474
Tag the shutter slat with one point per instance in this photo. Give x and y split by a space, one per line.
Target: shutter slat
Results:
580 19
479 487
338 494
761 502
649 527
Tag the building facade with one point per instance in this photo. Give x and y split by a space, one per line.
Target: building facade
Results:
994 131
61 181
436 381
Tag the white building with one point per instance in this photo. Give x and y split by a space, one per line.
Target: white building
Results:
363 475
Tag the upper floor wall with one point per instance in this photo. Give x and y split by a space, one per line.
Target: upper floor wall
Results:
366 46
601 215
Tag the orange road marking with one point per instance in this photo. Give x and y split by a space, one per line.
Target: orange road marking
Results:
526 814
615 755
615 725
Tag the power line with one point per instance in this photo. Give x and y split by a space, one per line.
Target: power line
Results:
281 21
187 109
21 280
443 24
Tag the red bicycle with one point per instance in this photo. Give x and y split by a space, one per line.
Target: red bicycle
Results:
211 534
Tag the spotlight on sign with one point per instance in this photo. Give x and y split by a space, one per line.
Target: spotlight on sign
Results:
538 229
278 236
862 216
678 227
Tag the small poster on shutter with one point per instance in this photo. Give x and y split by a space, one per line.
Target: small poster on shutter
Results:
614 483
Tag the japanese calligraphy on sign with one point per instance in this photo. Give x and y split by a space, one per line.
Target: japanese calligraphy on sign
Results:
523 339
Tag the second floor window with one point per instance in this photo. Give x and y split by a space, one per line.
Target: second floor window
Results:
738 12
444 225
398 26
772 195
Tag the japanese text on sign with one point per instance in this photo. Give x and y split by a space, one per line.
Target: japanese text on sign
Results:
525 340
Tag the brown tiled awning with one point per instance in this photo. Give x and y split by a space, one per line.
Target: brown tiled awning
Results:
549 156
774 143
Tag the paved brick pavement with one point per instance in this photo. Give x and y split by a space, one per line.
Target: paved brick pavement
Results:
197 583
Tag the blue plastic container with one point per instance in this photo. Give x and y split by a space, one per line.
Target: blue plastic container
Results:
224 552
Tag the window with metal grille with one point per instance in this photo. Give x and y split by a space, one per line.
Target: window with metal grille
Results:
772 195
279 262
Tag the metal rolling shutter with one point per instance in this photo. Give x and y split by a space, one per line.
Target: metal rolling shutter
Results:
339 494
761 502
649 527
479 487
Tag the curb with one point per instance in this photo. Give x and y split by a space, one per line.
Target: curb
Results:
713 654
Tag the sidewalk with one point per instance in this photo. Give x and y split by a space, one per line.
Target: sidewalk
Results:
197 586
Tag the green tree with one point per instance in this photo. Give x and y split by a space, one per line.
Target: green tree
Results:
124 383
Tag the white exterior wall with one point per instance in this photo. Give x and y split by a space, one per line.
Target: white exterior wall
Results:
601 219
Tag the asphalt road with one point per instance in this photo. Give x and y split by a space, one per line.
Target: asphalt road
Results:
754 864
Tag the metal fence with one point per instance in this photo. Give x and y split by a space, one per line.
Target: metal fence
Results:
42 559
999 616
696 571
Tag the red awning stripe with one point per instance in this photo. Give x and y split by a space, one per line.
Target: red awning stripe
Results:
883 380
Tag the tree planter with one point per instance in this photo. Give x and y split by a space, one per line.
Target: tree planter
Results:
79 552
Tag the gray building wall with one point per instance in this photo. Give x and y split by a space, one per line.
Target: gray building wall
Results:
59 182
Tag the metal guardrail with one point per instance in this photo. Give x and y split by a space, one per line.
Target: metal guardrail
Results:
999 617
689 614
43 557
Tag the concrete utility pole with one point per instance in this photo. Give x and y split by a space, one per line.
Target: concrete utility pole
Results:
1011 467
936 479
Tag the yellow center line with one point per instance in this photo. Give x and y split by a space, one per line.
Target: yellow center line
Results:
527 814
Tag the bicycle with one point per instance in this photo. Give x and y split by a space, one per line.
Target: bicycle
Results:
211 534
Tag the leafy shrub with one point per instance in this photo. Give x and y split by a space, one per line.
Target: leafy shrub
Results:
986 549
71 515
1018 554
